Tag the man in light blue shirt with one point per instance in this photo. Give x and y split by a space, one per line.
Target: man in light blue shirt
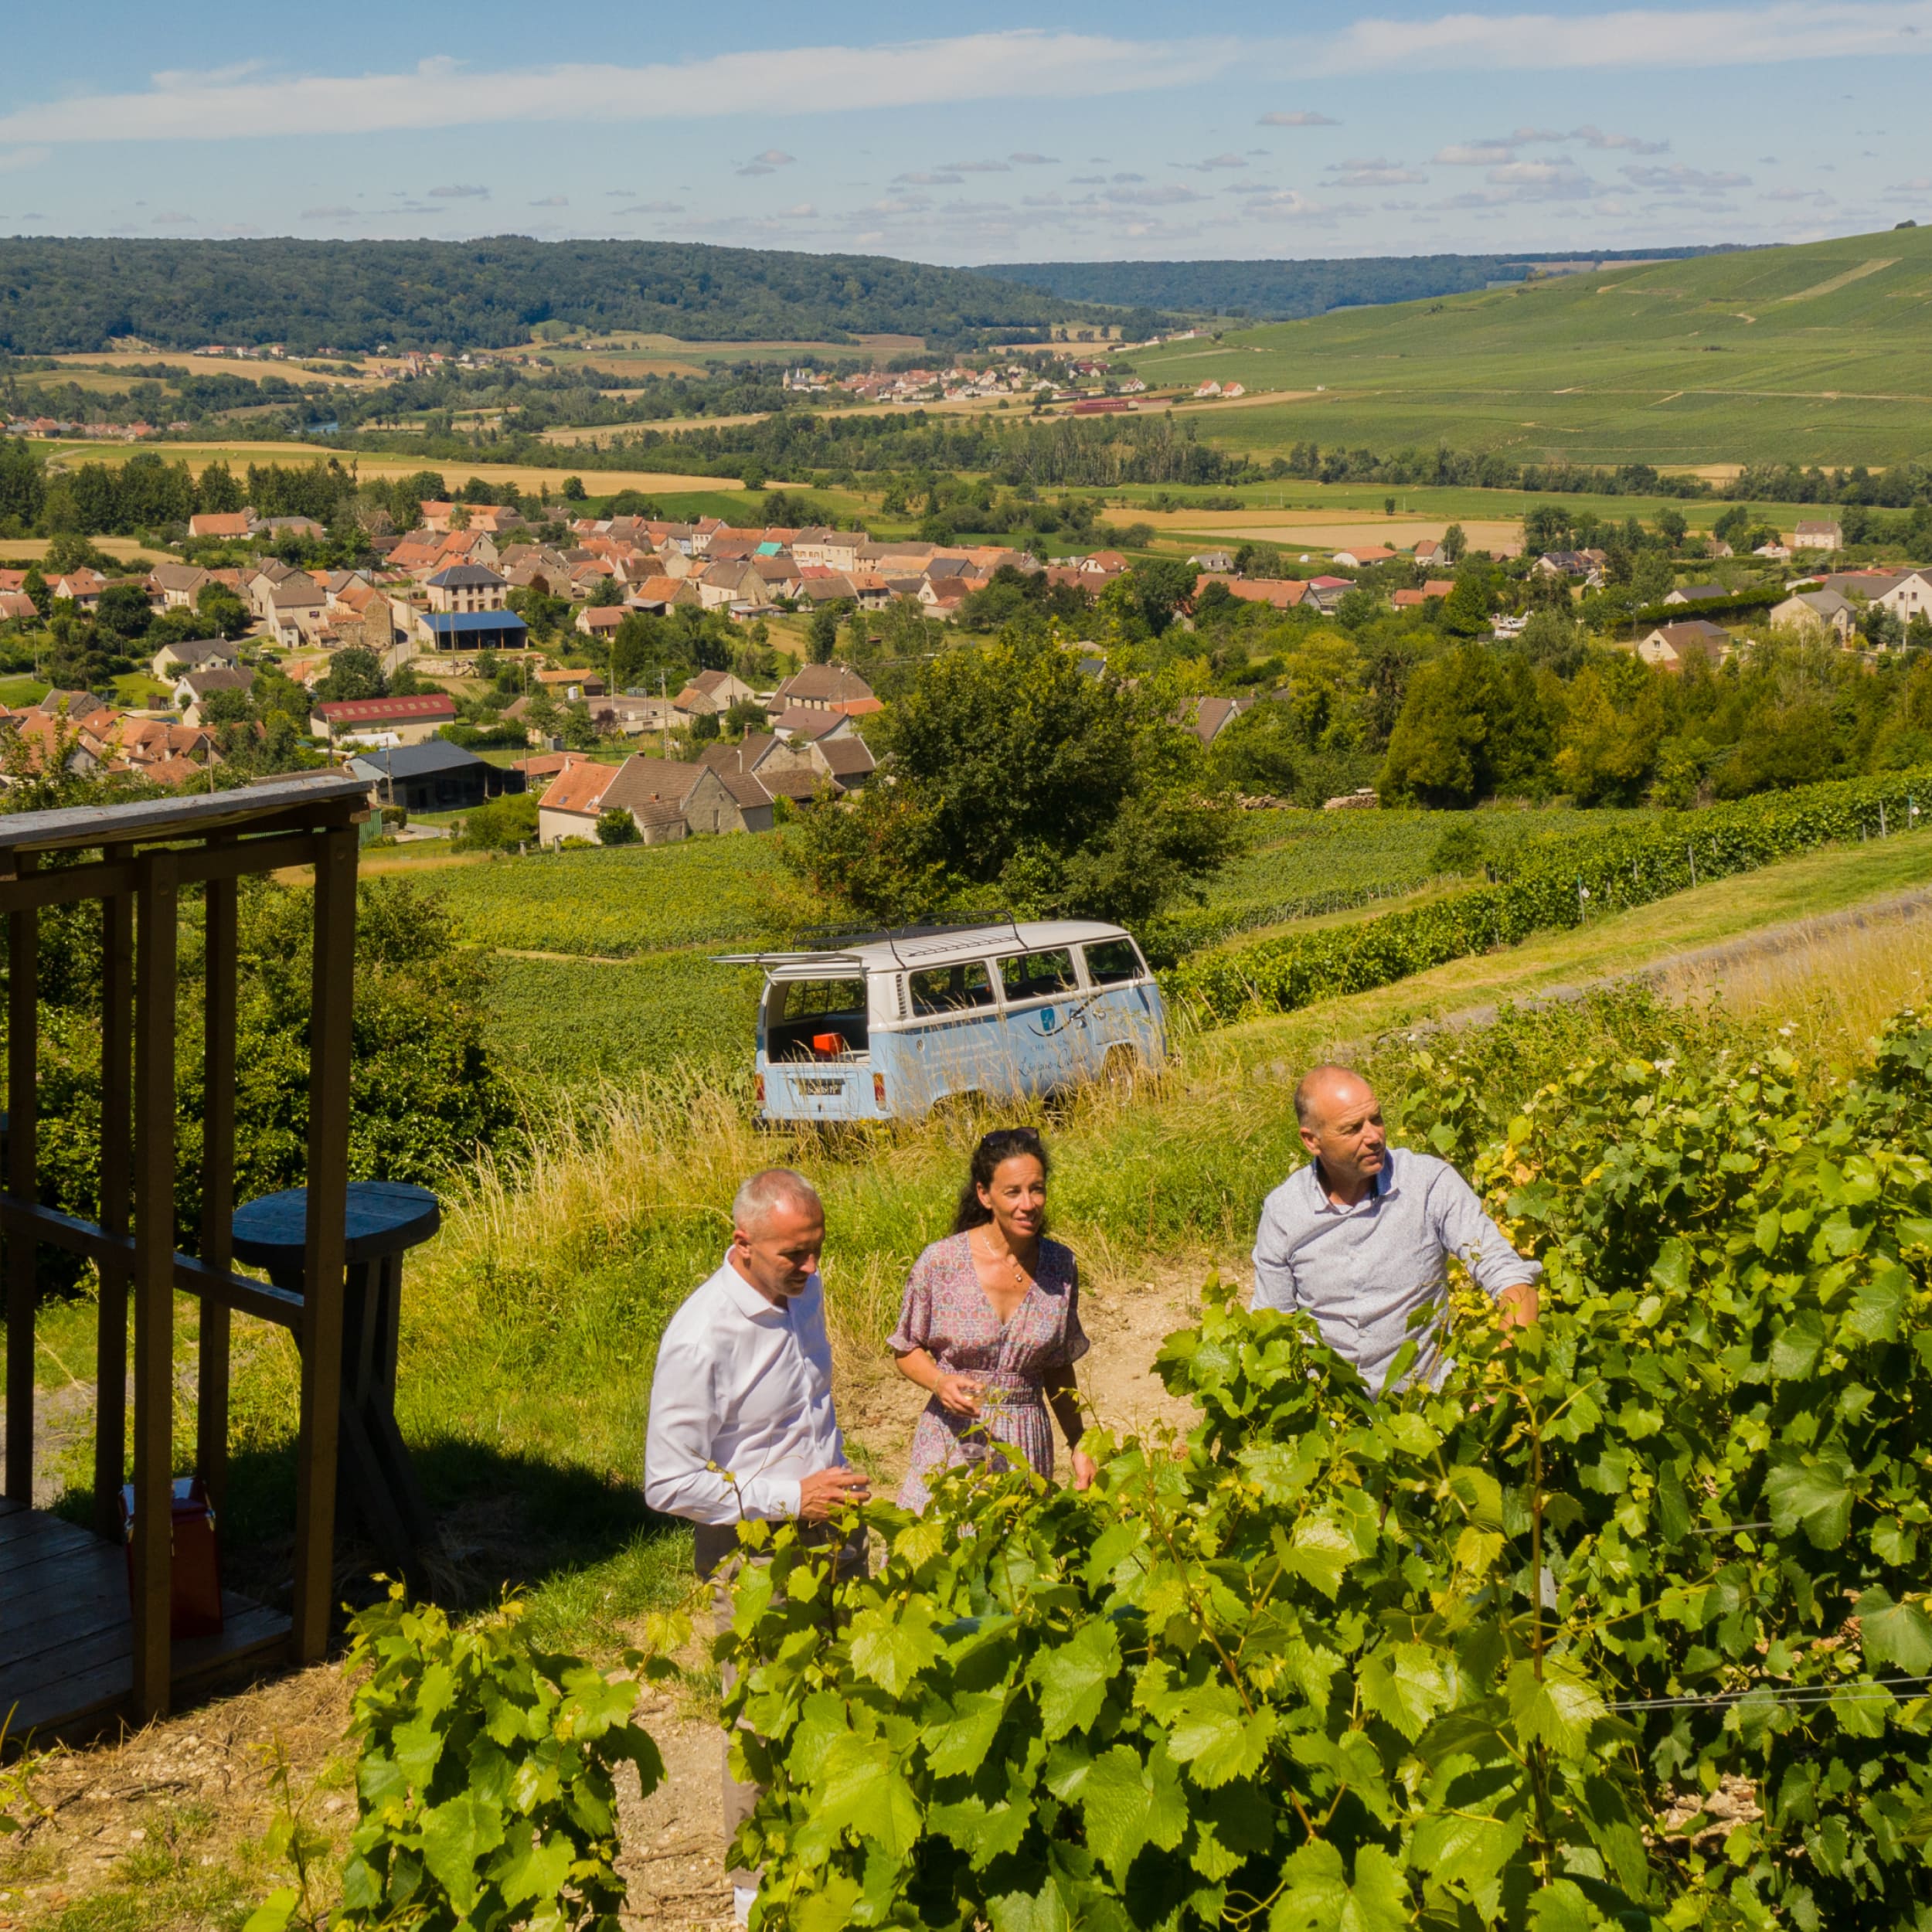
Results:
1360 1238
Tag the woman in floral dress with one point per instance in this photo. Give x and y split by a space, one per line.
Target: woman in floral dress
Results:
991 1325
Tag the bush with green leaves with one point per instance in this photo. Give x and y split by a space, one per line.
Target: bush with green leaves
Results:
486 1785
1480 1656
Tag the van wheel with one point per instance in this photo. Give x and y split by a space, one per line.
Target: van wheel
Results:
959 1109
1121 1067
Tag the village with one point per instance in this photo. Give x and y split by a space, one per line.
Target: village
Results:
721 751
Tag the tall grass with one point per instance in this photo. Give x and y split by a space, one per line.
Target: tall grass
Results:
1830 988
531 1324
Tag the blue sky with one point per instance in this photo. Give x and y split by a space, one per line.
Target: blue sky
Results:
1129 130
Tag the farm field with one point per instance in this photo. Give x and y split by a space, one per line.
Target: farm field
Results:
75 368
1808 354
238 455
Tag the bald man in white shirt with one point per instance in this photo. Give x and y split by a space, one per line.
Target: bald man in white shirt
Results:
741 1417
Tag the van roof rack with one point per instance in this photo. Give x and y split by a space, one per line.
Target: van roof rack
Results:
894 936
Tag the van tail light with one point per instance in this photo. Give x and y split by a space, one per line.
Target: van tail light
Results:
879 1089
760 1090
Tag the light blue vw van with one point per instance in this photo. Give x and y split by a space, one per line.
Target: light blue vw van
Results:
888 1028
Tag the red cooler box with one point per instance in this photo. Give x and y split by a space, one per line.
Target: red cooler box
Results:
195 1606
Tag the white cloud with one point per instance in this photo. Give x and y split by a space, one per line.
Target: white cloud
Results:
774 158
1377 173
1475 154
439 93
755 168
458 191
23 158
1627 143
1786 30
1033 160
651 208
1169 195
975 167
803 211
552 201
1678 180
927 178
329 214
1301 118
1213 161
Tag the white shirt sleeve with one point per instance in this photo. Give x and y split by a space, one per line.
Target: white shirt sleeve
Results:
1467 1232
1273 1269
678 1481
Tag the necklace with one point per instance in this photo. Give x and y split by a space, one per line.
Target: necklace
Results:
1021 1280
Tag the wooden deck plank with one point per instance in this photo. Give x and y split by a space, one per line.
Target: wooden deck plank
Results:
66 1637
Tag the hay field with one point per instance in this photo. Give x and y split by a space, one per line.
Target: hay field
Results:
525 476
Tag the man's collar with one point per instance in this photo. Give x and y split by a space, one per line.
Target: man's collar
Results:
749 1300
1382 1185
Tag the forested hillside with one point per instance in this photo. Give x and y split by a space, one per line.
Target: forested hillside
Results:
1287 291
65 295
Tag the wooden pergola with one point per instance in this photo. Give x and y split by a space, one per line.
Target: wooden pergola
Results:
74 1648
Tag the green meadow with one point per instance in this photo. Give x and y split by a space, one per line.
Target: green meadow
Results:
1814 354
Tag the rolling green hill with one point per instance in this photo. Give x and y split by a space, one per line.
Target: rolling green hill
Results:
1815 354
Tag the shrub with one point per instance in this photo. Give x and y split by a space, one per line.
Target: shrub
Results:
486 1787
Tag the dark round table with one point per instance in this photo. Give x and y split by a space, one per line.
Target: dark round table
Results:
375 1479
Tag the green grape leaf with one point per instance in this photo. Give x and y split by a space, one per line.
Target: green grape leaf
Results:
457 1836
1896 1634
536 1872
1319 1552
1557 1710
892 1643
1403 1685
1073 1678
863 1792
1463 1849
1817 1496
1562 1907
1128 1803
1020 1912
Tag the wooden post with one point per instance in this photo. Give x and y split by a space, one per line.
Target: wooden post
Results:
117 1159
154 1279
330 1005
23 1019
217 1185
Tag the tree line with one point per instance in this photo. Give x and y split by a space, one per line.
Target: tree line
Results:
79 293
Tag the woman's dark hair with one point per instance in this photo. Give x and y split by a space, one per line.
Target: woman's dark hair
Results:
1001 1145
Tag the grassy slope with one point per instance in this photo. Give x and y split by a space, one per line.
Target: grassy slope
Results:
530 1324
1725 358
537 1313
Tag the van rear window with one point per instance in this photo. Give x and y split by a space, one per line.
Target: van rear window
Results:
1111 961
1037 975
951 989
801 999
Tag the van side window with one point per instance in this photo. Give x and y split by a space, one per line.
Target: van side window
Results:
1037 975
951 989
1111 960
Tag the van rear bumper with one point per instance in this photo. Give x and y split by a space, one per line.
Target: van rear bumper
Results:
828 1091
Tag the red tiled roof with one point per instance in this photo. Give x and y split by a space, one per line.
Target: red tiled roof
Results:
441 708
578 787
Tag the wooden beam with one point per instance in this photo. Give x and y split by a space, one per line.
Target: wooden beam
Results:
117 1165
261 1299
23 1020
321 794
217 1184
154 1279
331 1015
